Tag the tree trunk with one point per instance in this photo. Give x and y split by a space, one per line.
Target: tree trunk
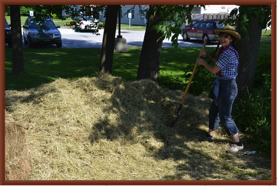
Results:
150 52
109 39
17 49
248 53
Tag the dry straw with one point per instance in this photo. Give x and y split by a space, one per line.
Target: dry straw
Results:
18 160
103 128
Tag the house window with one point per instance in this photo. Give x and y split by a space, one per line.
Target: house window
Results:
223 7
133 13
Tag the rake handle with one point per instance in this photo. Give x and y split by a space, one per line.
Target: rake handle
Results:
181 104
205 42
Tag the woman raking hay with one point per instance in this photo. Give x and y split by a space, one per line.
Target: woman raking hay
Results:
225 86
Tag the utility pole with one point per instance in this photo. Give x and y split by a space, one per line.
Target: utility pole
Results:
120 44
119 23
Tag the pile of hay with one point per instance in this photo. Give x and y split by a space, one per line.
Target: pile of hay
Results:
79 129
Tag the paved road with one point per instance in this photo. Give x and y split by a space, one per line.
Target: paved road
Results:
72 39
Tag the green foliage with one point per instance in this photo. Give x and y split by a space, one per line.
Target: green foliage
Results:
204 81
253 116
263 70
41 11
24 10
243 16
7 10
67 24
72 23
201 83
173 17
53 16
171 82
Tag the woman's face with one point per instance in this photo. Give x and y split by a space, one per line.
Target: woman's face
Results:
225 39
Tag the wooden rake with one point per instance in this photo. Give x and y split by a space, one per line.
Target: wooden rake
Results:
181 104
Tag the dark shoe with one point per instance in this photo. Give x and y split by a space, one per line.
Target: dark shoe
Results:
206 137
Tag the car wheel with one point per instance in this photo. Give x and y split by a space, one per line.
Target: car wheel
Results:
205 37
185 37
59 45
25 41
29 44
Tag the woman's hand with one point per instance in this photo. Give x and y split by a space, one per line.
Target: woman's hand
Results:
203 53
213 70
201 61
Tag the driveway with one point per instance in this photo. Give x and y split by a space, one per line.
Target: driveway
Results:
72 39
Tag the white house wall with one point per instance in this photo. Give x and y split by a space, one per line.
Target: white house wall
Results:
138 18
212 9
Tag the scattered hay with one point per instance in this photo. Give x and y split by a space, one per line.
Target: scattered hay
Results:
106 129
18 161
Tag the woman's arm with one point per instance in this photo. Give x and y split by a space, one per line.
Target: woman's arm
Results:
204 53
213 70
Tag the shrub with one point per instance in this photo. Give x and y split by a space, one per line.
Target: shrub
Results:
171 82
253 116
202 79
67 24
72 23
53 16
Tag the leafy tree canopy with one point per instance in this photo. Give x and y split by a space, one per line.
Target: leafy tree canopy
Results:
174 17
245 14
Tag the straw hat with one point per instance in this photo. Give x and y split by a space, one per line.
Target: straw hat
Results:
228 29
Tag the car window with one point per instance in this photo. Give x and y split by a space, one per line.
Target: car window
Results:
196 25
47 23
219 25
210 25
202 25
6 24
88 18
27 21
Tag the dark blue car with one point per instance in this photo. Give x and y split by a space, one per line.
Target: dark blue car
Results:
8 34
50 35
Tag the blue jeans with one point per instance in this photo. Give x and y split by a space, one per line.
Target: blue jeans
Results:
228 91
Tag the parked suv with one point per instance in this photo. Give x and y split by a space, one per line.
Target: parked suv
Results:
8 34
202 30
32 36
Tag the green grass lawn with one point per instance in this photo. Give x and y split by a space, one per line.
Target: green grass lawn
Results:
132 27
44 65
266 34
